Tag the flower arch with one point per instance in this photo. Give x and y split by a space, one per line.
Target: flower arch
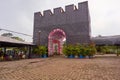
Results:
56 39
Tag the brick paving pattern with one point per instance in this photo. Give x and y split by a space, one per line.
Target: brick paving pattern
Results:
60 68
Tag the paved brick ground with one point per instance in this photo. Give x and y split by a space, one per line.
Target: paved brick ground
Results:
59 68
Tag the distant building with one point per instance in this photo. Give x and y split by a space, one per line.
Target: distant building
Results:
71 26
106 40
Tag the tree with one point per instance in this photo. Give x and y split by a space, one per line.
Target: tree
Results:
7 34
11 36
17 38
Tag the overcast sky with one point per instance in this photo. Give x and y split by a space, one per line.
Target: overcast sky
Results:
17 15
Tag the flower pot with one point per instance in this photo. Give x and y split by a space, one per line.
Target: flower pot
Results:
71 56
44 56
81 56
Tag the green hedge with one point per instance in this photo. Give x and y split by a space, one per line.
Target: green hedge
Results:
85 50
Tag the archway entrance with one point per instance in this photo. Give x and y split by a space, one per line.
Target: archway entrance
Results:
56 39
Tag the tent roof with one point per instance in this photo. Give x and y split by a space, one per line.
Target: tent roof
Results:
9 42
107 40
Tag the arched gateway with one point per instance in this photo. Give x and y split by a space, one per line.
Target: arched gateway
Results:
56 39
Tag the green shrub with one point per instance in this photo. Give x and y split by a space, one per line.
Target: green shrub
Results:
70 50
40 50
79 50
92 51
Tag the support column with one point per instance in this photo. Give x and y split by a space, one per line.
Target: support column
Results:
4 50
29 51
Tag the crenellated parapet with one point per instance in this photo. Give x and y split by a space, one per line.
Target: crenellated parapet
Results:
58 10
83 5
47 13
37 14
68 9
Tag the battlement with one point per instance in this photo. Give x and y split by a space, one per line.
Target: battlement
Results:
58 10
37 14
83 5
47 13
68 9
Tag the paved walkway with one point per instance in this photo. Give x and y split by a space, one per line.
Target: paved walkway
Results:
59 68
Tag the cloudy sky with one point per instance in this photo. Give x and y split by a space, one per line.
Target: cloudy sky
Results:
17 15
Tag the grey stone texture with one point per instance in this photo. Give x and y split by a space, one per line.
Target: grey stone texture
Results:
75 22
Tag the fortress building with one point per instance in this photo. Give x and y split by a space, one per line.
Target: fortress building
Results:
71 26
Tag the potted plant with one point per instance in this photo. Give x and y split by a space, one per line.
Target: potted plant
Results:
66 51
92 51
82 53
77 50
36 52
69 51
43 51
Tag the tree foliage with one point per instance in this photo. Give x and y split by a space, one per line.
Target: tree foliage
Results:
40 50
7 34
17 38
11 36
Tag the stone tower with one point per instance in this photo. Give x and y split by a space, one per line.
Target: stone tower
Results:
75 22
